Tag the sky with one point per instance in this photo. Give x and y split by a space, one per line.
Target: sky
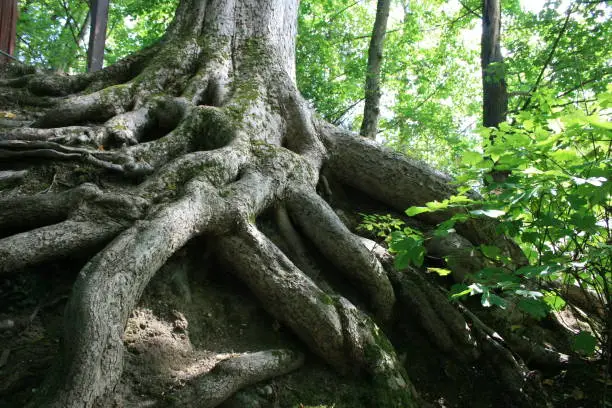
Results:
532 5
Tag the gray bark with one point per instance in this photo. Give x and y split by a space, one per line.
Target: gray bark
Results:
97 37
495 97
371 109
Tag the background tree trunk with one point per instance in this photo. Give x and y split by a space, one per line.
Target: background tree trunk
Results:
97 36
494 93
371 110
8 27
495 97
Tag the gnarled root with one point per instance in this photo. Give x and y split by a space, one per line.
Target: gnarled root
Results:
330 325
235 373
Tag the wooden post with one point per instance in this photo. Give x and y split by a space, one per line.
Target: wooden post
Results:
8 28
97 36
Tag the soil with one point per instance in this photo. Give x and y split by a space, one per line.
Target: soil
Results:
194 313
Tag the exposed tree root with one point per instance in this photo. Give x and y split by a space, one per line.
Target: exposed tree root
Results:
52 242
331 326
209 132
336 242
235 373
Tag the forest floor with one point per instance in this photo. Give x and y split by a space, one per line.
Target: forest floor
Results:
194 314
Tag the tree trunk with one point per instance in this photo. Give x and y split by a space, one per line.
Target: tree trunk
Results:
97 37
494 93
371 110
495 97
200 135
8 26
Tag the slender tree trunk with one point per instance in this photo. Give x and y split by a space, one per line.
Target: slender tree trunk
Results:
84 31
97 37
371 111
495 95
8 27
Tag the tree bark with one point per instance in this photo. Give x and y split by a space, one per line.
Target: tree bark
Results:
97 37
495 97
494 93
200 135
371 110
8 27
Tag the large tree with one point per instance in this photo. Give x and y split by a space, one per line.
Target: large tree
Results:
201 135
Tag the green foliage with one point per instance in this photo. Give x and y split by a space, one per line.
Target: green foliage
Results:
584 343
380 225
331 54
556 203
407 245
576 68
48 31
430 78
405 242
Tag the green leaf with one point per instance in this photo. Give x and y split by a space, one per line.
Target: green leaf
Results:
584 343
538 271
412 211
505 127
418 256
439 271
531 294
584 222
488 213
490 251
535 308
597 122
555 302
402 261
471 158
459 290
436 205
405 244
532 170
489 299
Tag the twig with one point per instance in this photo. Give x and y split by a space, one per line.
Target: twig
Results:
471 11
551 54
11 57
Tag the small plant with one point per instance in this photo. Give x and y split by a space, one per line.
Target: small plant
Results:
405 242
380 225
